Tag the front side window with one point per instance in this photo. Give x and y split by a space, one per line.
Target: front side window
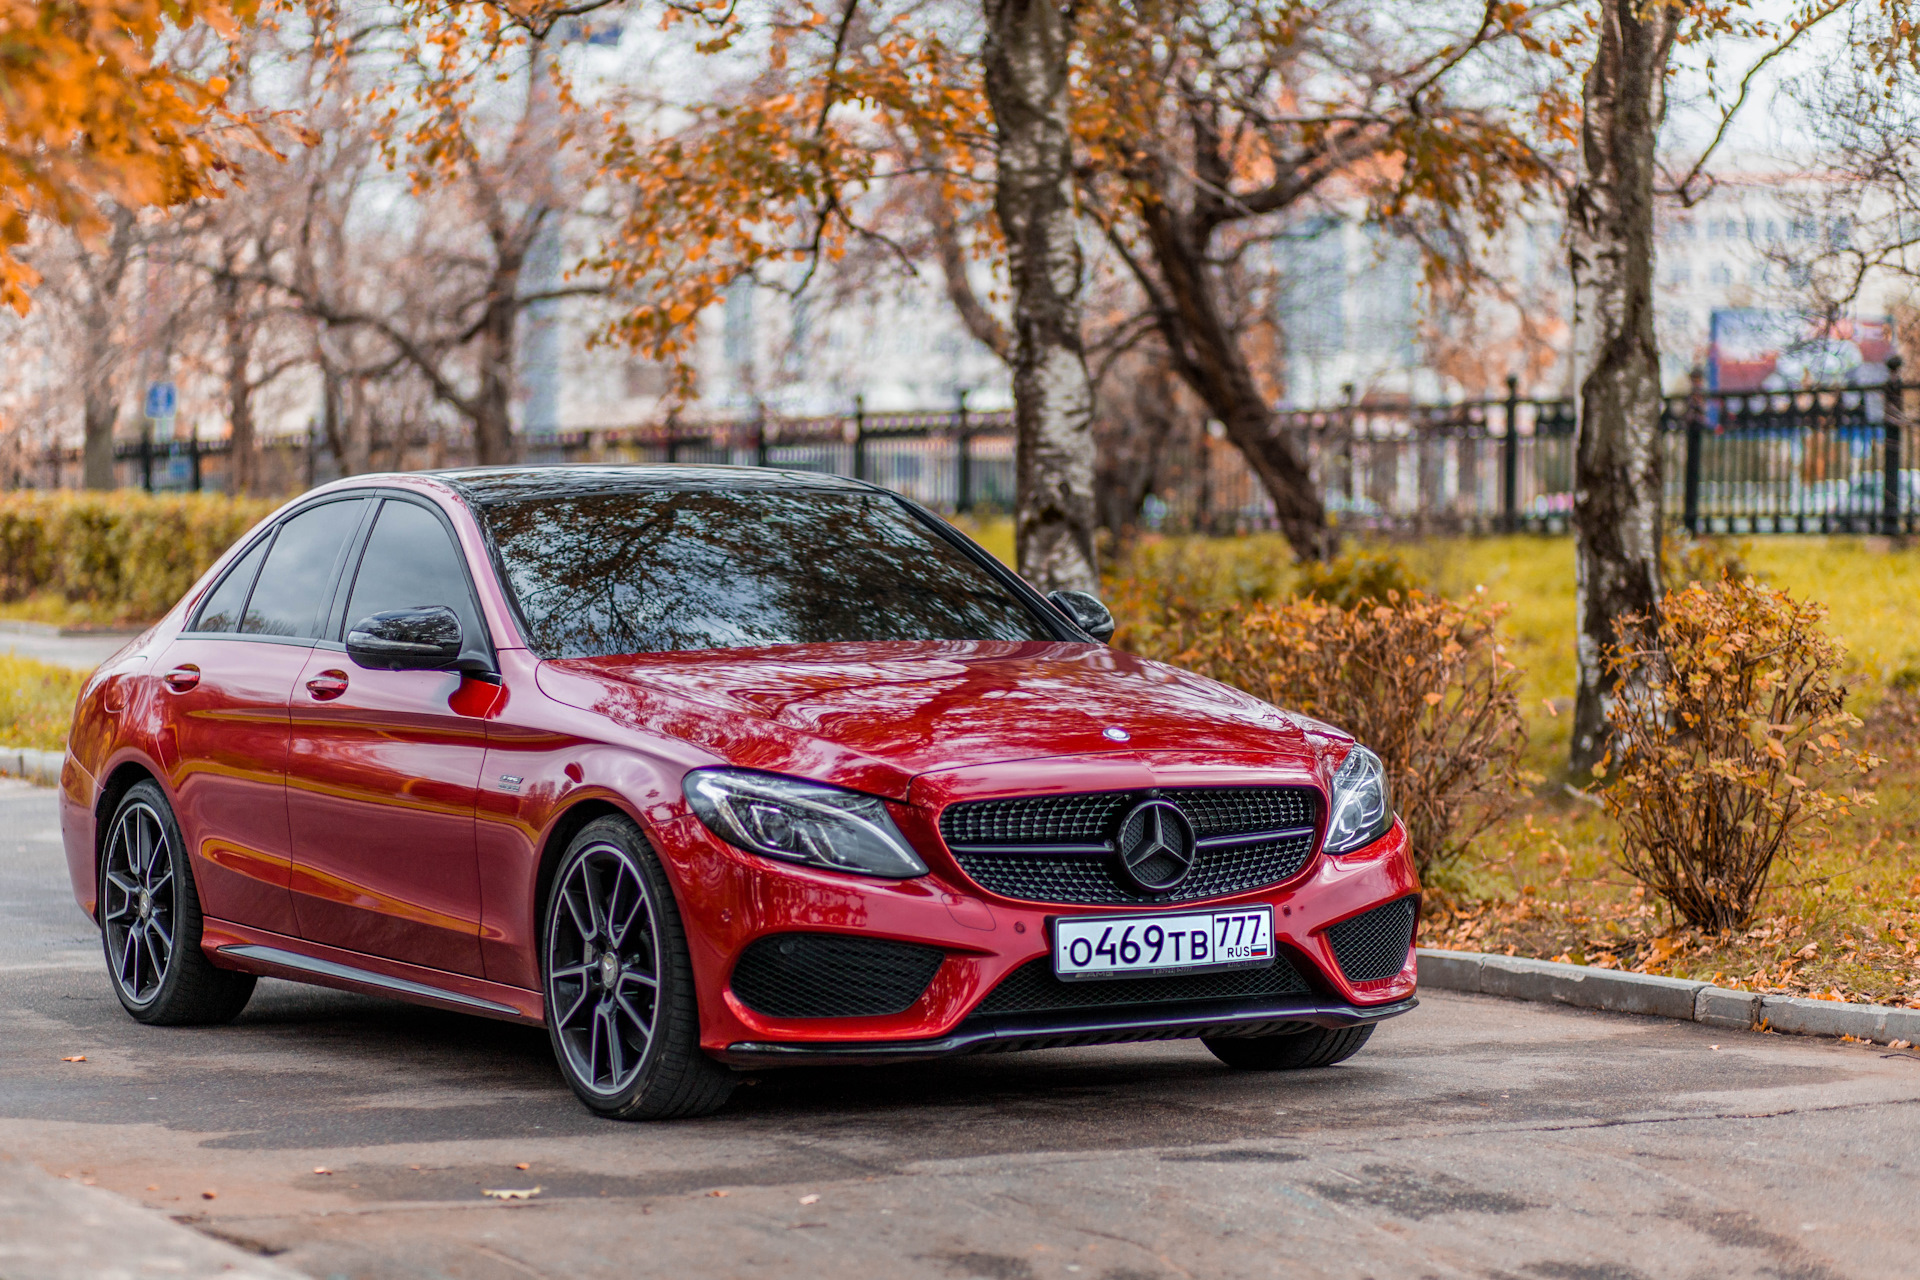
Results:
226 601
292 590
411 562
652 570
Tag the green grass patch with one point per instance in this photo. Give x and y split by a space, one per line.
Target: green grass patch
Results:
36 702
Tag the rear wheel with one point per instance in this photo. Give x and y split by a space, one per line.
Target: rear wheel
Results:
619 986
1320 1047
150 921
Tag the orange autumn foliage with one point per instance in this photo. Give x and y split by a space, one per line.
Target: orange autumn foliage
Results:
91 110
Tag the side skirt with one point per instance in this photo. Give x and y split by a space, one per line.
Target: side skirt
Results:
275 956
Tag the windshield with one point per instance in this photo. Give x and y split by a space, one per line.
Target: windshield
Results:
652 570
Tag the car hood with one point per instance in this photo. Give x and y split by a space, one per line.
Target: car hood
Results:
876 715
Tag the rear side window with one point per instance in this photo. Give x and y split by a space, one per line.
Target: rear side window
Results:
226 601
411 561
292 589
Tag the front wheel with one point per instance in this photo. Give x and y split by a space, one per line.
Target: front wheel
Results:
150 921
619 985
1320 1047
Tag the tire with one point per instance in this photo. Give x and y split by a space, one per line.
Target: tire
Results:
150 921
1320 1047
625 1029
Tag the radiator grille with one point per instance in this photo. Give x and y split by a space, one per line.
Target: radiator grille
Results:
1373 945
1092 878
1033 988
830 975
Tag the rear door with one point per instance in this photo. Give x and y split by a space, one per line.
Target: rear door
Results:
384 769
225 682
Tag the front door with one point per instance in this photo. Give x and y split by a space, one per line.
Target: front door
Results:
383 772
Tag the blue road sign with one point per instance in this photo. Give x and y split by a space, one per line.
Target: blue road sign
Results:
161 400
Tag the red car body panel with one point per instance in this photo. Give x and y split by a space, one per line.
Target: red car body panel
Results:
398 823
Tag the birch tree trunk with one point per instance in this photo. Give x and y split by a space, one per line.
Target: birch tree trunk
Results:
1026 81
1617 465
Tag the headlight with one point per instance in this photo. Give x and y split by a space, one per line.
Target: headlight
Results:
1362 811
801 822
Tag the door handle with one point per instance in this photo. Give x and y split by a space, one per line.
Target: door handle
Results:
182 677
328 685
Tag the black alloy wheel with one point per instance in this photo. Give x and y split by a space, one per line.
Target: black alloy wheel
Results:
1319 1047
150 921
619 993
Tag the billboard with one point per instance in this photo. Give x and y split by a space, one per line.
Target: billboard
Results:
1753 349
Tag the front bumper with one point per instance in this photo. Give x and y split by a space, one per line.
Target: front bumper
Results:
730 899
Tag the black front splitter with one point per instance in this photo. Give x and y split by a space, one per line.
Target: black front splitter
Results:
1010 1032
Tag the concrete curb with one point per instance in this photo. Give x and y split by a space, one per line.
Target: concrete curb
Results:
51 1229
39 767
1553 983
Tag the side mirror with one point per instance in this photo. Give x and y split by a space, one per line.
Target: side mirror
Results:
1085 611
426 638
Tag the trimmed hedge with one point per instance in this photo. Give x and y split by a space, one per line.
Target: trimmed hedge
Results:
124 556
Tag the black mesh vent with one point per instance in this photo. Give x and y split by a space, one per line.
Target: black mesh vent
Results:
1092 879
1033 988
831 975
1373 945
1213 811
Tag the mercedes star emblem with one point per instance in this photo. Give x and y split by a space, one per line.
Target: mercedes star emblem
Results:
1156 846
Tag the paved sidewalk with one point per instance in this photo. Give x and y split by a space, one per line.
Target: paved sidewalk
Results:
55 1229
82 652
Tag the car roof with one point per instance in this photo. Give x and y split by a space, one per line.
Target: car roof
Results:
484 486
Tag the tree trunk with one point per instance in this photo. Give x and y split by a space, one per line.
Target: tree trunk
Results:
1026 82
1208 357
493 440
100 398
242 457
1617 464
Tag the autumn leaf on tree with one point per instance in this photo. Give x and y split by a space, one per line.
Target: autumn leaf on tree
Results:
99 103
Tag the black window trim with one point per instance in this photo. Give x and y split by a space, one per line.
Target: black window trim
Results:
337 621
267 538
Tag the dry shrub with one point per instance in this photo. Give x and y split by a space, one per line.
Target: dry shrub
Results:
1358 577
126 555
1422 680
1728 725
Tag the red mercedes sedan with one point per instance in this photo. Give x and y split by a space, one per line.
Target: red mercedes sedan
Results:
708 768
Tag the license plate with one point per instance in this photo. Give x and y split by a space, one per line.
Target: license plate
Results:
1090 947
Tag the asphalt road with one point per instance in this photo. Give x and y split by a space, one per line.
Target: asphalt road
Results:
1474 1137
82 653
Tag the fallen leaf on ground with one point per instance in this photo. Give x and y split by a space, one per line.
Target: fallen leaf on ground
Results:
209 1195
522 1165
719 1193
78 1057
509 1193
809 1199
320 1168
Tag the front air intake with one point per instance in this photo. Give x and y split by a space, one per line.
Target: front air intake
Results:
1373 945
832 975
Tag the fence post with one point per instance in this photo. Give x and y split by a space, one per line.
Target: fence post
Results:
859 437
760 434
1510 459
1696 421
963 463
146 457
193 457
1892 414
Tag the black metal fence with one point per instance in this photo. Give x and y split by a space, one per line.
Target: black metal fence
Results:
1812 460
